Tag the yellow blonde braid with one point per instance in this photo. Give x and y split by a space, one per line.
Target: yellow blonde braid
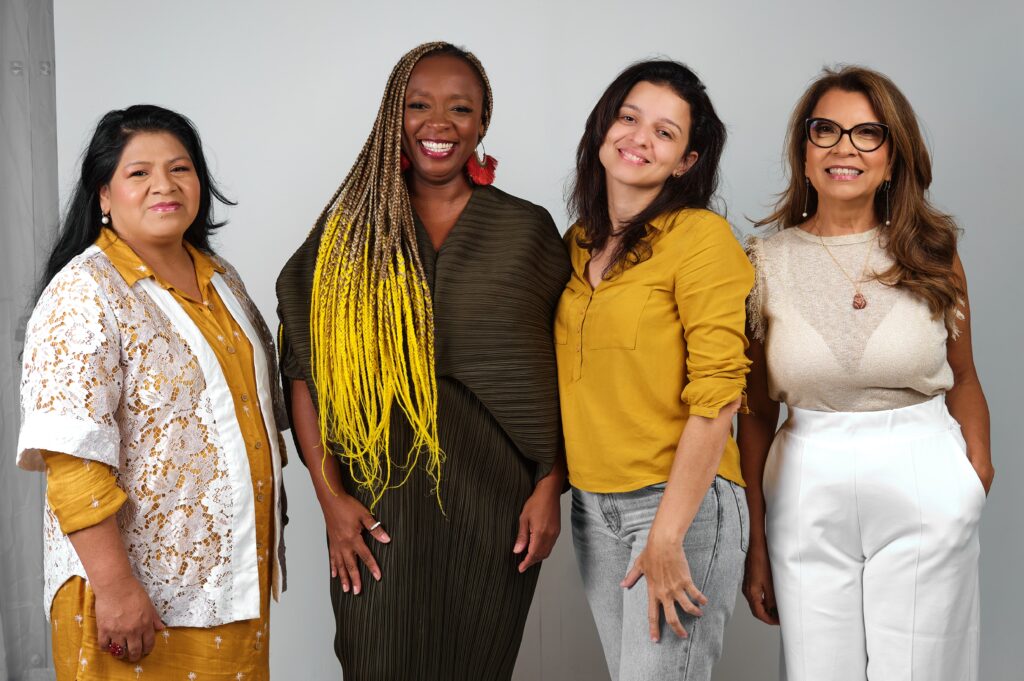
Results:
371 319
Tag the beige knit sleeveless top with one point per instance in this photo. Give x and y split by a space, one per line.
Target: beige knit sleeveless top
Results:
822 353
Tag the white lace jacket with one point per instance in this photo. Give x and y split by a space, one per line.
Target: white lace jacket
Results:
121 375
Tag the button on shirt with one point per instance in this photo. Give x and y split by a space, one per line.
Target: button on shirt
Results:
659 341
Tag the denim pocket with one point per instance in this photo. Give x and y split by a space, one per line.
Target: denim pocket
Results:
740 496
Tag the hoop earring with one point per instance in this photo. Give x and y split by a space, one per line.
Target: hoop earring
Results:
807 195
887 220
105 218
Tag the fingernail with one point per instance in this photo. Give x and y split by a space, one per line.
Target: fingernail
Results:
355 590
377 575
344 587
385 537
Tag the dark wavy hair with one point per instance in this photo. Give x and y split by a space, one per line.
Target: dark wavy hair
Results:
588 198
921 239
81 224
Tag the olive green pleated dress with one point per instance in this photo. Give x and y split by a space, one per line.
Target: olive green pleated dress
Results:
451 604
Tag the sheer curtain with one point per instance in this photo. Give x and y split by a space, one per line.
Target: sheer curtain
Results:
28 215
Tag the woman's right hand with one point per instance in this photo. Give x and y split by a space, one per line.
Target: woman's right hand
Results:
126 616
758 586
346 520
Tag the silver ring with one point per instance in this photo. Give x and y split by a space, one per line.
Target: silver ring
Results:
374 526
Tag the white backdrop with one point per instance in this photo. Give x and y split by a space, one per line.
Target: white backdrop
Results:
284 96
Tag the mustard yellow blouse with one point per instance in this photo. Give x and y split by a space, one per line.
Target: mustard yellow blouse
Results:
661 341
83 493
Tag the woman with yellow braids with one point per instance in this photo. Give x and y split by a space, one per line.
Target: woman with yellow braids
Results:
416 347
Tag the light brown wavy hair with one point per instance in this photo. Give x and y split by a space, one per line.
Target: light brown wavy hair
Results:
921 240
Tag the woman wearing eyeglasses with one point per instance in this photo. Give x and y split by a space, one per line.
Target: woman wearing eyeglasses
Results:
864 533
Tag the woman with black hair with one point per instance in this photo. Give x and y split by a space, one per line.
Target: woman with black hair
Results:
651 367
151 399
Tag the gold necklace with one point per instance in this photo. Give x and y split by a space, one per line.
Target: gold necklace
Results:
859 301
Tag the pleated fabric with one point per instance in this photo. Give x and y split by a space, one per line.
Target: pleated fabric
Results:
451 604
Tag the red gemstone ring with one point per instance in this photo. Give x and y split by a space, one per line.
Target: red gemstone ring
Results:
115 649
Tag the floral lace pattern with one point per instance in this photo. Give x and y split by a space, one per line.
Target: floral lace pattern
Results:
107 377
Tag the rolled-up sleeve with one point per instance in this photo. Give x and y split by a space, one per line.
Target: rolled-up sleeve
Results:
80 492
711 289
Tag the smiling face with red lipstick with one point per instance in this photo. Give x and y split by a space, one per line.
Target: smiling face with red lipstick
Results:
843 173
153 196
443 119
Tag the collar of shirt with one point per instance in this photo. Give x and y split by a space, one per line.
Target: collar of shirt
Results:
130 266
581 256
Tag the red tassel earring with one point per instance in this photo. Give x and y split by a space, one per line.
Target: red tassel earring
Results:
481 170
403 161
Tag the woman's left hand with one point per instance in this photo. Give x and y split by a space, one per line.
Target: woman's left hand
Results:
986 473
663 564
540 522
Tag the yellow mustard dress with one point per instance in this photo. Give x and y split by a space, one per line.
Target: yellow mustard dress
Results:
83 493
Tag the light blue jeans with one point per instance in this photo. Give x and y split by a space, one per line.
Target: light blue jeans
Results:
610 530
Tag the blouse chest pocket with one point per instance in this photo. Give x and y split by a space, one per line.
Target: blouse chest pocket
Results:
613 317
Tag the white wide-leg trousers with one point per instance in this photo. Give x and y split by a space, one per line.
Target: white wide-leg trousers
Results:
872 523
